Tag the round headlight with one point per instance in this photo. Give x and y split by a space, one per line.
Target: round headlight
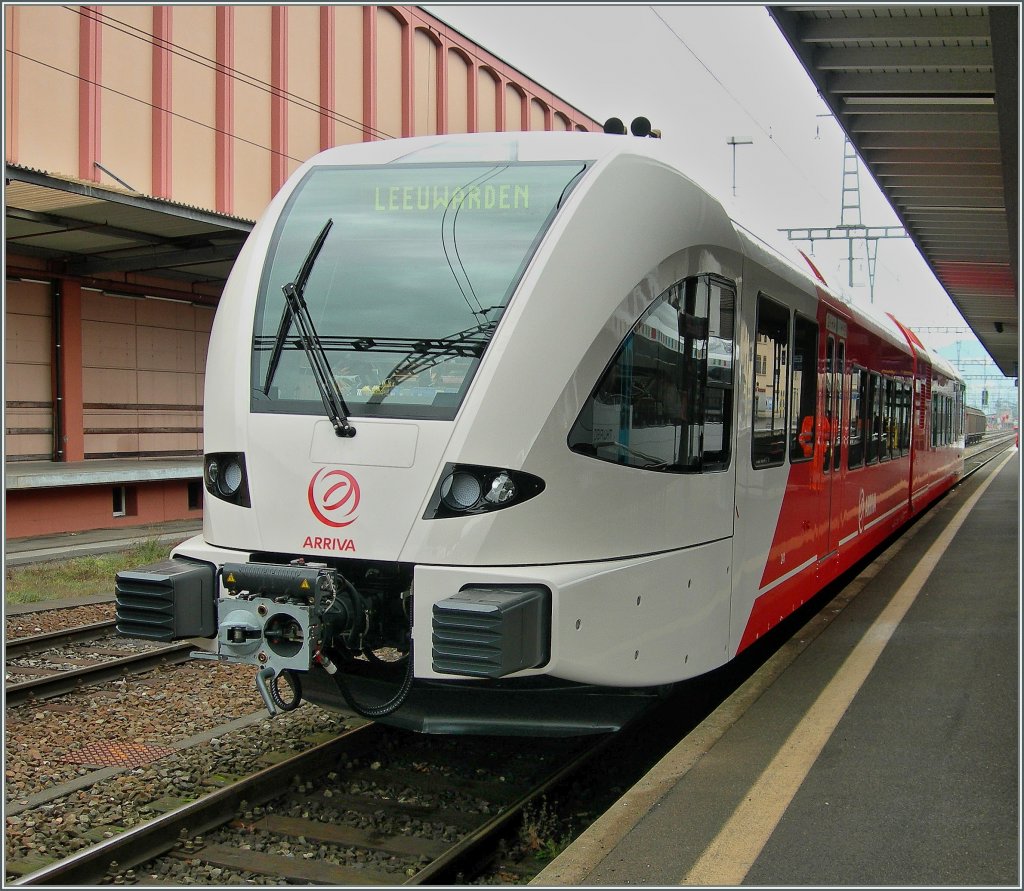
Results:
460 491
231 478
212 474
502 489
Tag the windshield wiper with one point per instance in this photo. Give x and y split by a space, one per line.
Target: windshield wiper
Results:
295 309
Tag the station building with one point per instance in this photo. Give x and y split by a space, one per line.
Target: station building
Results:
142 142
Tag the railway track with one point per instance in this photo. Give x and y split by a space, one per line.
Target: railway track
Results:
399 829
346 817
979 454
60 662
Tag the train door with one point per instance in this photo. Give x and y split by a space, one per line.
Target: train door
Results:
832 430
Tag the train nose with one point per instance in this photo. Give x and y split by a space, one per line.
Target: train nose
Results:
357 497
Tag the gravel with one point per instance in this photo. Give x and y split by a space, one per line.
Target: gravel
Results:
45 621
162 708
205 695
55 806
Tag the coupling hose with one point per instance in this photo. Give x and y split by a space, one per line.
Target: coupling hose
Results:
385 708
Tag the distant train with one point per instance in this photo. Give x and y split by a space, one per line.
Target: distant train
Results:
509 433
975 423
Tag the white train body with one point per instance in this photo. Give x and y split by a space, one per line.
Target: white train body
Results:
471 297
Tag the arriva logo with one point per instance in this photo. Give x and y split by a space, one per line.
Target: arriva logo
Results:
334 497
866 507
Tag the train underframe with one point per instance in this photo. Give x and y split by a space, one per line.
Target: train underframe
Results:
339 634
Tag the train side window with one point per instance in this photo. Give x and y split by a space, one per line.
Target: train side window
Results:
828 419
665 401
716 438
873 417
858 399
899 414
908 407
837 426
803 390
887 439
768 446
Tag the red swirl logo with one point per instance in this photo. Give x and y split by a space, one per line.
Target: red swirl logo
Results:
334 497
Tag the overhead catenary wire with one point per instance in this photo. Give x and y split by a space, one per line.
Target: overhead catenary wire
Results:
766 131
173 114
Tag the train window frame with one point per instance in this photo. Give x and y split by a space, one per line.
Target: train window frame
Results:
908 436
840 403
855 447
429 366
703 382
828 403
799 437
773 448
885 416
872 417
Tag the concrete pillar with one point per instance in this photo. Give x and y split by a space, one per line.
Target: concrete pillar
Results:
67 366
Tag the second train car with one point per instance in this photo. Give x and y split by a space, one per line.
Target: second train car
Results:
509 433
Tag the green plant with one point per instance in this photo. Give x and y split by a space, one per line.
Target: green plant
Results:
542 833
77 576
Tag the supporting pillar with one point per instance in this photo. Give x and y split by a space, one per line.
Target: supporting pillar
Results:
69 420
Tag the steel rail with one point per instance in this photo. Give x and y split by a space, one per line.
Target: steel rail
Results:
158 836
37 643
996 448
70 681
462 861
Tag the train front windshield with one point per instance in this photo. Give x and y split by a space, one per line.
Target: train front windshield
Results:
408 286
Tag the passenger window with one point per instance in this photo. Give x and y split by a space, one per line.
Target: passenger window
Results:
665 402
858 399
908 402
873 417
837 424
885 421
770 384
892 414
804 389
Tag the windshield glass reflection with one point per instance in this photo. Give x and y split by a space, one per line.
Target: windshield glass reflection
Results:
410 283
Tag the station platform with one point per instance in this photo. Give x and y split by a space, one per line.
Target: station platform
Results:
95 472
61 546
879 747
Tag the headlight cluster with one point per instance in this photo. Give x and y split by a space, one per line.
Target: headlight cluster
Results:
225 477
470 489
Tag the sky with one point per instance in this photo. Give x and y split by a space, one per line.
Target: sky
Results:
703 75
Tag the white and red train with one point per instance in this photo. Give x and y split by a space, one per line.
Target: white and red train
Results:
508 433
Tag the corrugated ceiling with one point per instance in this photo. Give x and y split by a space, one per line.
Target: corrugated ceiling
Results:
929 97
94 232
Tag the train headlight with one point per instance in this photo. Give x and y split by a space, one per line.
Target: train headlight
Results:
502 489
225 477
471 489
231 479
460 491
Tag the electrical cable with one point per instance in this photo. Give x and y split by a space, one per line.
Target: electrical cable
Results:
173 114
385 708
190 55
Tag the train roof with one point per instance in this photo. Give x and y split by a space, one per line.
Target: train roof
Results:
501 146
598 147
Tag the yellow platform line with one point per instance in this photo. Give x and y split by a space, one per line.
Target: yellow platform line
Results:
729 857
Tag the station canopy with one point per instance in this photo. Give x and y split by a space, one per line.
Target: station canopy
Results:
929 98
117 239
